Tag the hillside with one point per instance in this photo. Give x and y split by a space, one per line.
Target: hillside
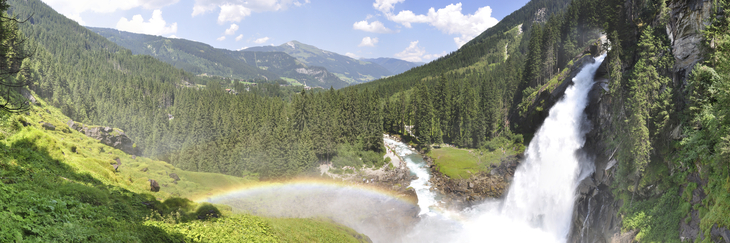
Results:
252 129
395 66
199 58
57 184
348 69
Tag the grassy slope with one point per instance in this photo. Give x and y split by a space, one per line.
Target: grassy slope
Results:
51 193
463 163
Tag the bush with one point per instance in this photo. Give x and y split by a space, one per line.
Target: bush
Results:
206 211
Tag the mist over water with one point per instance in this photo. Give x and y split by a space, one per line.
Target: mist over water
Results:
539 204
537 208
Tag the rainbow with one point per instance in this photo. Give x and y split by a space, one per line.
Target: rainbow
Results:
378 196
258 187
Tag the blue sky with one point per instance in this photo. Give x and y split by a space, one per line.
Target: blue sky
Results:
413 30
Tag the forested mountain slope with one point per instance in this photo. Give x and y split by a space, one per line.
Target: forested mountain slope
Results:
199 58
395 66
348 69
94 81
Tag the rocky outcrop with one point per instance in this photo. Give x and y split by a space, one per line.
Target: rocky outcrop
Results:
174 177
117 164
48 126
595 212
113 137
461 193
154 186
687 20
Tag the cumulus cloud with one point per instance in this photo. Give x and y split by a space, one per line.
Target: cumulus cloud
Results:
239 37
375 27
449 20
72 9
415 53
352 55
237 10
386 6
222 38
231 30
367 41
155 26
261 40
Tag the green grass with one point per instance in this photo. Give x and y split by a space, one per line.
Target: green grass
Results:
313 230
291 81
462 163
59 186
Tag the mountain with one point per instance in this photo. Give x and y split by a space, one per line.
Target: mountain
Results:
199 58
348 69
395 66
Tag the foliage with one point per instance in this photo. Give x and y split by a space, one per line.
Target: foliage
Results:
263 128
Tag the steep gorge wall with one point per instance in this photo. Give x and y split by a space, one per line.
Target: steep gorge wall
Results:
595 216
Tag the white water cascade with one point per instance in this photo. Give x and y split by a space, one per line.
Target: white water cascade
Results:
539 204
426 198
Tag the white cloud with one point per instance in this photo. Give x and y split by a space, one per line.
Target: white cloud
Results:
375 27
239 37
261 40
222 38
232 30
449 20
299 4
386 6
173 36
367 41
352 55
72 9
155 26
415 53
237 10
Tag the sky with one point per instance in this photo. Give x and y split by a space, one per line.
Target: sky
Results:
411 30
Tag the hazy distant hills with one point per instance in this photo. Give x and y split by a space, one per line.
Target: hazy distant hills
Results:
394 65
348 69
200 58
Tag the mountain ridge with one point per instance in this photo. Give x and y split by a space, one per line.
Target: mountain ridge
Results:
200 58
348 69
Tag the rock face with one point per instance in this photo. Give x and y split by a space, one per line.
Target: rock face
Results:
154 186
687 20
461 193
594 215
110 136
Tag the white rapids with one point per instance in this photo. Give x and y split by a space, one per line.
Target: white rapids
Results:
539 204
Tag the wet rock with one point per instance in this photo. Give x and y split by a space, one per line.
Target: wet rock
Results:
144 169
154 186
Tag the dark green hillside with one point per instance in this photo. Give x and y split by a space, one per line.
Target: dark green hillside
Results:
349 70
395 66
199 58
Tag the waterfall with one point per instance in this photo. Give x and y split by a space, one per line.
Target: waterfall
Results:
539 204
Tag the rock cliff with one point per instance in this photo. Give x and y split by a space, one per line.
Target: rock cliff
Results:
595 213
113 137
